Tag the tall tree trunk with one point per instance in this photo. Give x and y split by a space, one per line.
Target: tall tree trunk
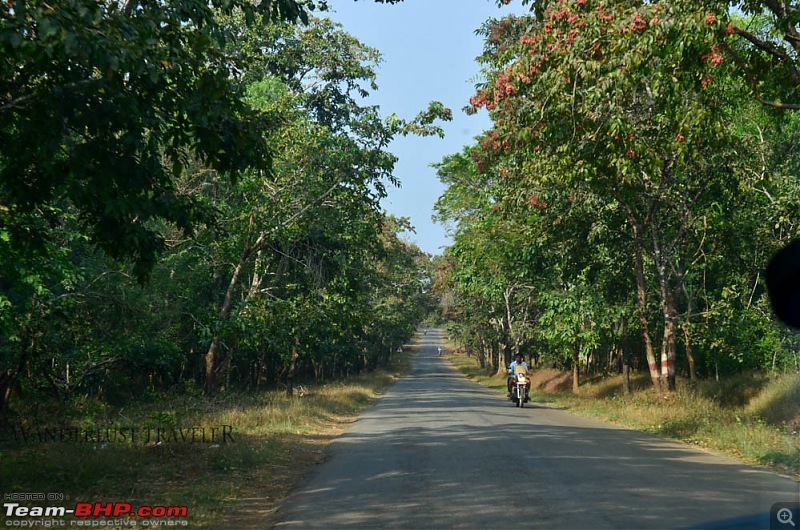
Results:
668 356
686 327
576 383
641 303
687 338
669 341
494 357
213 354
8 379
669 311
625 356
210 386
292 367
505 328
626 379
503 357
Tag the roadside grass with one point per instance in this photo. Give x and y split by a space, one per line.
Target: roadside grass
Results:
470 367
755 419
262 445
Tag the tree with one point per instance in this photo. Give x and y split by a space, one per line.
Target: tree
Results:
765 49
607 100
149 128
332 155
627 164
105 103
491 259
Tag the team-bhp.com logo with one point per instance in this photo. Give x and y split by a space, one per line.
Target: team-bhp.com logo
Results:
95 510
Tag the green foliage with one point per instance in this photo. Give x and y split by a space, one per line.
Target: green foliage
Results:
305 237
271 244
630 184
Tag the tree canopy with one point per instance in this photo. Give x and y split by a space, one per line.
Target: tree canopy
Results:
626 167
190 197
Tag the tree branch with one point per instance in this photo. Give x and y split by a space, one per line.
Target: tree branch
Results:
767 47
753 82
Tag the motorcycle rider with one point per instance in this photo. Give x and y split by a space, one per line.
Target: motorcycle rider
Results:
518 361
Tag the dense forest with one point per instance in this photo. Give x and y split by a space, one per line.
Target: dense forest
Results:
190 200
640 172
190 195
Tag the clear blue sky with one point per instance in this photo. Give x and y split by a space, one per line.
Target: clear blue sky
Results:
429 49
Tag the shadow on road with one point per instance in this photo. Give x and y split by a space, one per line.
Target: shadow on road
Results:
440 451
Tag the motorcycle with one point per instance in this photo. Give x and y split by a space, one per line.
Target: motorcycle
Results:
519 387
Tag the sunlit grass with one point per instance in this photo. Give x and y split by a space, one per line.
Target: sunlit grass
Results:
778 402
274 438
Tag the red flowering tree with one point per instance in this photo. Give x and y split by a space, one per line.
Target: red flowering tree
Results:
616 99
765 47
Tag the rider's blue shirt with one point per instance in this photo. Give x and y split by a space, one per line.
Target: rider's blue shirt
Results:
514 365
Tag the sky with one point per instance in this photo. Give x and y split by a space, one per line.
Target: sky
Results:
429 49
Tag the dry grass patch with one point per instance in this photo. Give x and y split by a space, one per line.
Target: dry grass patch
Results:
225 483
779 403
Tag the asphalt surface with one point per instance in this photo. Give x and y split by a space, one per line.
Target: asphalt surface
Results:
438 451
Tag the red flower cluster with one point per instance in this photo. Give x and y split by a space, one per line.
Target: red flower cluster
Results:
481 164
561 14
491 142
638 23
605 18
710 19
571 36
536 202
478 100
504 87
713 57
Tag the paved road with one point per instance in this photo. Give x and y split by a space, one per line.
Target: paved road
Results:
439 451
